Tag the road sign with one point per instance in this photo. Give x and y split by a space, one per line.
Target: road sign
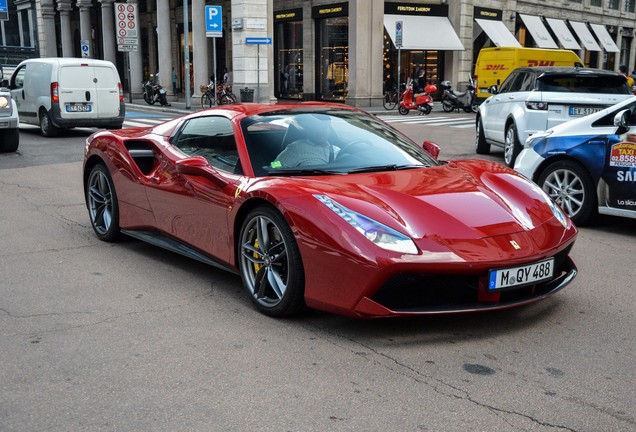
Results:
127 47
85 48
398 33
258 41
126 21
4 10
214 21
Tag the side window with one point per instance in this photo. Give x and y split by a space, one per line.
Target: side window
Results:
213 138
505 86
516 84
18 78
527 84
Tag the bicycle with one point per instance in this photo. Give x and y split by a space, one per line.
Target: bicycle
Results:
391 99
224 96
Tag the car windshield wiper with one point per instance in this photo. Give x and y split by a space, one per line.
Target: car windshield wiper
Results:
302 172
390 167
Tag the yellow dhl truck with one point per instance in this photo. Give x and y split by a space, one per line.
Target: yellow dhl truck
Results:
495 64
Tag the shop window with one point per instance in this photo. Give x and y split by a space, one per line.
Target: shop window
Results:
333 45
598 3
289 59
613 4
629 5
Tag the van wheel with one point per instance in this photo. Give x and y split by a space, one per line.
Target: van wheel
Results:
481 146
10 140
46 126
512 146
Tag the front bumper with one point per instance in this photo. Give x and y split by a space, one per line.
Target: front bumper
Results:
528 162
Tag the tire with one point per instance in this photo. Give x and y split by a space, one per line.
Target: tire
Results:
46 126
390 100
149 100
9 140
571 186
233 97
468 109
475 107
101 200
270 263
426 109
512 146
447 105
226 100
403 111
481 146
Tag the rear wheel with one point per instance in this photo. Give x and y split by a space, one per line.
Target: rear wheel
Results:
481 146
101 200
512 146
571 186
270 263
390 100
46 126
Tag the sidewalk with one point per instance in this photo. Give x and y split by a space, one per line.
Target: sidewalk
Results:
179 107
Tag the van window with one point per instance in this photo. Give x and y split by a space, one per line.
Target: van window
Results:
18 78
583 84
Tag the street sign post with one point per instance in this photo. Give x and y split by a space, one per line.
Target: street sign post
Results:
214 21
85 49
399 27
127 26
258 41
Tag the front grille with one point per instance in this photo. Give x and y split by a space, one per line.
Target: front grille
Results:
419 292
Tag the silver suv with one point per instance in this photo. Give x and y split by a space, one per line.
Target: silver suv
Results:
534 99
9 120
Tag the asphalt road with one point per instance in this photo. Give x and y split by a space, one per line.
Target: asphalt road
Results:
118 337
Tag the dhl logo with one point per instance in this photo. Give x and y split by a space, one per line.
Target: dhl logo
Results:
540 62
496 67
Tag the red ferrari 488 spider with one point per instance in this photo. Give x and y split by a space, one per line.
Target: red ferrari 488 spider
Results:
325 206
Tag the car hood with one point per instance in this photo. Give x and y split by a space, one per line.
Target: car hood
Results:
458 200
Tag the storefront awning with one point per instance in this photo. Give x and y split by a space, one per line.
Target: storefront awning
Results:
560 29
585 36
606 40
539 32
424 32
498 33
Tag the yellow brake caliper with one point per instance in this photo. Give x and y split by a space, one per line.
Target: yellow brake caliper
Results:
257 266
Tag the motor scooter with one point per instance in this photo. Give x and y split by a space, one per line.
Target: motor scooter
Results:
154 92
454 100
423 103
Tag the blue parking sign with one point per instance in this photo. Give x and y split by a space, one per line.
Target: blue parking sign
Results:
214 21
4 10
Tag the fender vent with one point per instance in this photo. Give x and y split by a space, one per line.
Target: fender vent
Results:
143 154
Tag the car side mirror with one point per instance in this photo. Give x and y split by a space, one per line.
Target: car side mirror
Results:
493 89
621 119
431 148
4 83
199 166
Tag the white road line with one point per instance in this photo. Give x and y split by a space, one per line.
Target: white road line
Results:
465 126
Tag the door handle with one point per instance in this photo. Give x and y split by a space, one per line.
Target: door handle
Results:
511 97
22 93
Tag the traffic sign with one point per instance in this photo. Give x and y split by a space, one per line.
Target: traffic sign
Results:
398 33
4 10
214 21
258 41
85 48
126 21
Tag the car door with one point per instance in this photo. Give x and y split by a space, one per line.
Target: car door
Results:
18 93
497 107
195 209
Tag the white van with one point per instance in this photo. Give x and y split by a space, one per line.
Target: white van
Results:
56 93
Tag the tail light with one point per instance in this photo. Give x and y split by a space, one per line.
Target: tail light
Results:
476 81
121 92
537 106
55 94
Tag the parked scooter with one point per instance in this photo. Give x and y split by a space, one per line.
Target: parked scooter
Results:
423 103
453 100
154 92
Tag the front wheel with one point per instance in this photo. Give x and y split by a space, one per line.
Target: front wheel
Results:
403 111
101 200
512 146
270 263
149 99
481 146
10 141
571 186
447 105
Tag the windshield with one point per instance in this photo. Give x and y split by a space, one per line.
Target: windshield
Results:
333 141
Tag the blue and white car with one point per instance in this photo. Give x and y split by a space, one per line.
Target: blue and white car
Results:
587 165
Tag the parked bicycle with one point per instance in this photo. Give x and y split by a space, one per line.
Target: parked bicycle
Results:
224 95
391 99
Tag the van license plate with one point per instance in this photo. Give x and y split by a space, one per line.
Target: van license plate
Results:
583 111
78 108
522 275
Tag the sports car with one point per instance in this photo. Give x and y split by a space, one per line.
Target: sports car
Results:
587 165
325 206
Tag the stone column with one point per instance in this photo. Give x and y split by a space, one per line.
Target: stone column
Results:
20 29
165 48
247 73
65 8
366 34
200 62
108 29
86 33
48 40
136 62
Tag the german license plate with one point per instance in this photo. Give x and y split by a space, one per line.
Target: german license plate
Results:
583 111
522 275
78 108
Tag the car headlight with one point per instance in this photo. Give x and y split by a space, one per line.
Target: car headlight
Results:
556 210
374 231
532 139
4 102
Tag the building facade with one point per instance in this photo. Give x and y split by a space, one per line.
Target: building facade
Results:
347 51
